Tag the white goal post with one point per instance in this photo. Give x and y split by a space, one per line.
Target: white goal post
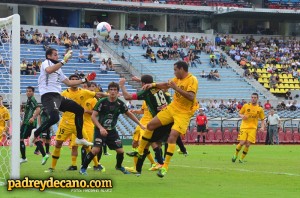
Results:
10 52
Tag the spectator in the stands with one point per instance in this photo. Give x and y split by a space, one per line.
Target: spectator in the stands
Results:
124 41
103 67
231 109
81 56
110 65
203 74
152 57
267 105
136 40
46 34
159 54
255 74
29 69
91 57
116 38
67 42
145 43
23 39
23 67
239 106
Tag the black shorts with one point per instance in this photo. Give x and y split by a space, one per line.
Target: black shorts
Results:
56 102
46 134
26 131
201 128
112 140
161 134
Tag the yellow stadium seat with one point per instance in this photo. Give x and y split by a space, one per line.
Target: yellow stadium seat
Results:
285 80
297 86
276 90
284 76
291 86
296 80
264 76
260 80
282 91
268 74
258 70
281 86
291 80
289 76
272 90
266 85
287 86
263 70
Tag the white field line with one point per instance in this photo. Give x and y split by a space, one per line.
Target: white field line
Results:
241 170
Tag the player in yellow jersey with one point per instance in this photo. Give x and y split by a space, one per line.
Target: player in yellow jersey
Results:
250 114
138 134
88 126
67 126
179 111
4 120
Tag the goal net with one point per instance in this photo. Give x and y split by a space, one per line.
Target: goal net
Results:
10 98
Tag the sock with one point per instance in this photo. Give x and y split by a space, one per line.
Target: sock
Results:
87 160
158 155
36 149
169 154
198 138
95 159
55 157
150 158
135 159
119 157
237 149
83 154
180 144
104 148
41 148
203 138
144 141
141 160
47 146
99 155
23 149
74 158
245 151
166 148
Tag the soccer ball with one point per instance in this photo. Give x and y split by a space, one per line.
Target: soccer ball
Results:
103 28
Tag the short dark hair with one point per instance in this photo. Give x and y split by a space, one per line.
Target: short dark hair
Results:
30 87
255 94
182 64
113 85
146 79
74 75
50 51
93 83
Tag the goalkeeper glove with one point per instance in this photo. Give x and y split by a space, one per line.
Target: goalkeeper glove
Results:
90 76
67 57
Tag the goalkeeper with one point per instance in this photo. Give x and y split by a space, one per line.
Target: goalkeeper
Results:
49 84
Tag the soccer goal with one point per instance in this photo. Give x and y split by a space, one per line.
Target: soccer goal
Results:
10 92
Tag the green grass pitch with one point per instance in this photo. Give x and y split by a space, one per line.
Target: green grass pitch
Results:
270 171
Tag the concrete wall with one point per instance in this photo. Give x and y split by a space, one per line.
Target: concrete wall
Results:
5 11
28 14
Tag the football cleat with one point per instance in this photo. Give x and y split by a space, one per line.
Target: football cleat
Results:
83 142
107 154
155 167
23 160
99 168
162 172
83 171
72 168
233 159
131 170
44 160
123 170
32 138
37 152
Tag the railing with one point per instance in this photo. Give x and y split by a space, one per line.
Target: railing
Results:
131 64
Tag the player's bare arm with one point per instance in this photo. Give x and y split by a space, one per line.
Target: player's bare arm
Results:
101 95
126 95
137 111
35 114
103 131
132 117
187 94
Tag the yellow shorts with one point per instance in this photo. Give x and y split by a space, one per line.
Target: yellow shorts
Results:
65 131
90 133
247 134
138 133
181 120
